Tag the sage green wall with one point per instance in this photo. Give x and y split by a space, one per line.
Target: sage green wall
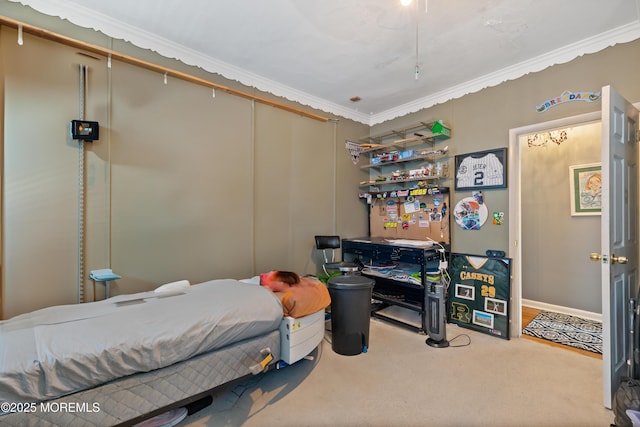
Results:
481 121
40 174
181 185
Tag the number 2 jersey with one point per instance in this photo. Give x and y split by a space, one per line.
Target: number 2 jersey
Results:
480 171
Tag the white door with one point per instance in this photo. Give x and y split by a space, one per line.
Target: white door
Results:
619 252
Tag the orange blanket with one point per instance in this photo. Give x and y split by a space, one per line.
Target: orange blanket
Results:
300 296
304 298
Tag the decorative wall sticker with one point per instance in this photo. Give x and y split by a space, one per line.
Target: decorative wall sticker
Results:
568 96
498 218
478 196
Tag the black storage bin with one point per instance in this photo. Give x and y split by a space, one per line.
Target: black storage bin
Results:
350 313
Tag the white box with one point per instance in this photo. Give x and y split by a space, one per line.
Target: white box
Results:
298 337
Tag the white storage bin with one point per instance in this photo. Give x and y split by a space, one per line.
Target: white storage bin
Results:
300 336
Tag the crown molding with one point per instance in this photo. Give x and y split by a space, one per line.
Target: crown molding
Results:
87 18
623 34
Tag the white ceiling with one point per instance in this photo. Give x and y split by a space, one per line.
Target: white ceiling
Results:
324 52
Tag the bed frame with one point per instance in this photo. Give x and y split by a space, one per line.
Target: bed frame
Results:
132 399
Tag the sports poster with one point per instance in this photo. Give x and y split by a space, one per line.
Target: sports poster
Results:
482 169
480 292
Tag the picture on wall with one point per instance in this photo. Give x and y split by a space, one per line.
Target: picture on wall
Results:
482 291
483 319
497 306
585 186
471 213
465 292
482 169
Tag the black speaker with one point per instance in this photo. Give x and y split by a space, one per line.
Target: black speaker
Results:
85 130
492 253
436 313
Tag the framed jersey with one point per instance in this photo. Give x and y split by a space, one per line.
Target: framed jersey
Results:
480 292
482 169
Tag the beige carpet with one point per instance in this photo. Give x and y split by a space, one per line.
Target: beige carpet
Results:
403 382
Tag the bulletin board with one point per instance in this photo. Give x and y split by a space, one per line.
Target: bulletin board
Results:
480 293
419 214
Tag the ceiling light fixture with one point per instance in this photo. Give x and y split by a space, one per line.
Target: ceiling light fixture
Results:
417 68
407 3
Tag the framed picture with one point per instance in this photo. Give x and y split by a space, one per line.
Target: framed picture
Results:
480 298
483 319
497 306
585 186
482 169
465 292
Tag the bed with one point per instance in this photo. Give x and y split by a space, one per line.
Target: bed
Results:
130 357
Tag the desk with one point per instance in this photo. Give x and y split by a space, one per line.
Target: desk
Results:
403 283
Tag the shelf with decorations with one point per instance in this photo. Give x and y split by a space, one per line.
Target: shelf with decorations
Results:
423 132
406 190
422 189
395 157
430 172
406 156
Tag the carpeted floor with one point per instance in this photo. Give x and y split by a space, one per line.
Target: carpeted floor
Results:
478 381
567 330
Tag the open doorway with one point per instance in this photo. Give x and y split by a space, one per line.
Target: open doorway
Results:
557 234
542 253
619 169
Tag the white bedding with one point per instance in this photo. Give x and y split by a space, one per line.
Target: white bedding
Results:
59 350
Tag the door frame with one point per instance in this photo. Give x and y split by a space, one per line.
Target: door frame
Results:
515 204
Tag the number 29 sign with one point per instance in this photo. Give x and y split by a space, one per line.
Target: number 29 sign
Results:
480 292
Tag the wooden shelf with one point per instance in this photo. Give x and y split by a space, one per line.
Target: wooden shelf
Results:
419 133
433 156
401 181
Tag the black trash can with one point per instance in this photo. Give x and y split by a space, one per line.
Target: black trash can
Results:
350 313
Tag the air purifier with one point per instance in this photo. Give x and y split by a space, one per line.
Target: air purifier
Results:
436 313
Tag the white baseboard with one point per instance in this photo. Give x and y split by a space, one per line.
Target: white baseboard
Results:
564 310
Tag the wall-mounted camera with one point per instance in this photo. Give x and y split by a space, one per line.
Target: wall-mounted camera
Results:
84 130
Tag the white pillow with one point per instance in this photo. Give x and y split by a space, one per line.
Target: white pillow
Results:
255 280
173 286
